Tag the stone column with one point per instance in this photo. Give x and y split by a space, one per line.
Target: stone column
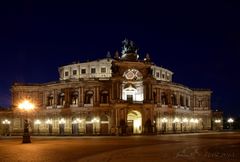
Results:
110 95
82 96
178 98
158 95
97 91
94 96
79 96
169 98
55 98
67 96
145 91
120 91
112 91
150 92
117 89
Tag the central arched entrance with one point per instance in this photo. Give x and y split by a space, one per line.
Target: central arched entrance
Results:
134 119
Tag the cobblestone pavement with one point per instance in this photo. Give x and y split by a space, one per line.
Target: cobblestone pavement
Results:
191 147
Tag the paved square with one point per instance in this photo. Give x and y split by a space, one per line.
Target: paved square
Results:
191 147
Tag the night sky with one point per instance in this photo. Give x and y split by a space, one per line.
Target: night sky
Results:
198 40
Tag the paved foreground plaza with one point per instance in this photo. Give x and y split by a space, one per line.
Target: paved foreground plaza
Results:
191 147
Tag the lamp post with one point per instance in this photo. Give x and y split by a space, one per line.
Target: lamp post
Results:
75 126
164 124
6 124
37 122
185 121
49 123
192 122
26 106
230 121
196 121
95 121
61 126
175 121
217 124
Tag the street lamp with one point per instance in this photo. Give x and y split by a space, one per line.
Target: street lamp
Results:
6 124
192 121
26 106
185 121
37 122
217 121
217 124
164 124
75 126
175 121
230 121
196 121
95 121
62 125
49 123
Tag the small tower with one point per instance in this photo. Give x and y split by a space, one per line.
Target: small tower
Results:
108 55
147 59
116 55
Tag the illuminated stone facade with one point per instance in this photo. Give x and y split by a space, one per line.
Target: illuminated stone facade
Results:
111 96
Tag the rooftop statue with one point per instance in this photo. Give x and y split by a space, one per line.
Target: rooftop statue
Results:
129 50
129 47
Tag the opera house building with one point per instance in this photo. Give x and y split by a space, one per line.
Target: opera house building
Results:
119 95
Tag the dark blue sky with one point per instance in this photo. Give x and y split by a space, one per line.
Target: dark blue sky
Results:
198 40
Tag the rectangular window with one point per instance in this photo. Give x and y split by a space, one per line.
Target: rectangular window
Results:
157 74
66 73
74 72
103 70
93 70
83 71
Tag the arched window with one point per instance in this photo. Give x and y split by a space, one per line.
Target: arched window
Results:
89 97
61 99
154 97
164 98
50 100
181 100
104 97
74 98
174 99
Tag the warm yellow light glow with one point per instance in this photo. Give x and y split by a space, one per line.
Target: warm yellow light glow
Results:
76 121
230 120
176 120
37 122
6 122
26 105
135 117
137 123
196 121
48 121
192 120
62 121
217 121
185 120
164 120
95 120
